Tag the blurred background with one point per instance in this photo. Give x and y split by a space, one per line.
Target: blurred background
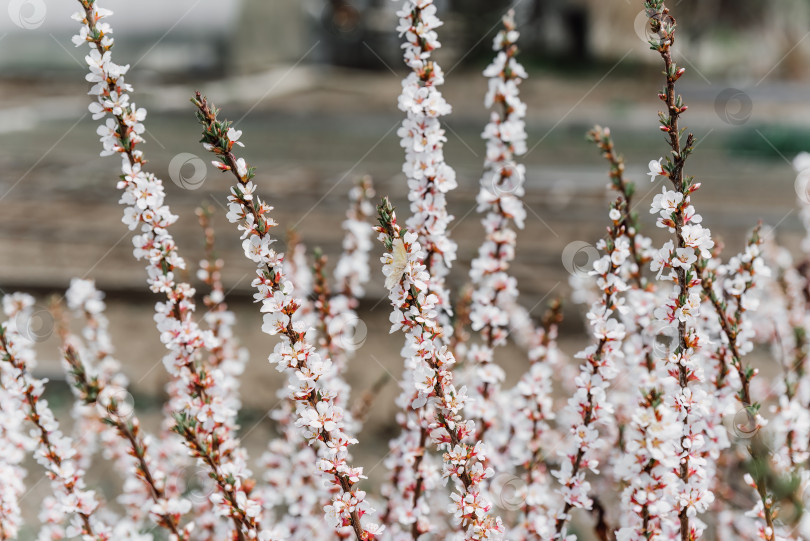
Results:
313 84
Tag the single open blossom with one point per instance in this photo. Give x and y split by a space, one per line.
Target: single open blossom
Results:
656 169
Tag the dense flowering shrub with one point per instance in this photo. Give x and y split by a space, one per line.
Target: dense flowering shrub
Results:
657 429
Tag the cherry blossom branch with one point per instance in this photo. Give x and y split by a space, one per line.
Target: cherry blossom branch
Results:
86 302
166 511
679 217
638 244
589 406
53 450
362 407
91 426
499 195
786 315
430 178
415 312
226 355
14 440
646 459
740 276
12 473
530 428
352 271
320 290
205 423
319 415
342 332
461 321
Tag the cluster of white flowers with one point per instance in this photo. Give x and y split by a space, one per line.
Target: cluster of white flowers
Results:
292 485
206 416
346 333
352 271
102 414
320 415
12 473
86 302
735 290
414 475
649 458
342 331
429 177
679 314
499 196
645 462
226 356
14 442
783 321
415 312
530 433
54 451
589 407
